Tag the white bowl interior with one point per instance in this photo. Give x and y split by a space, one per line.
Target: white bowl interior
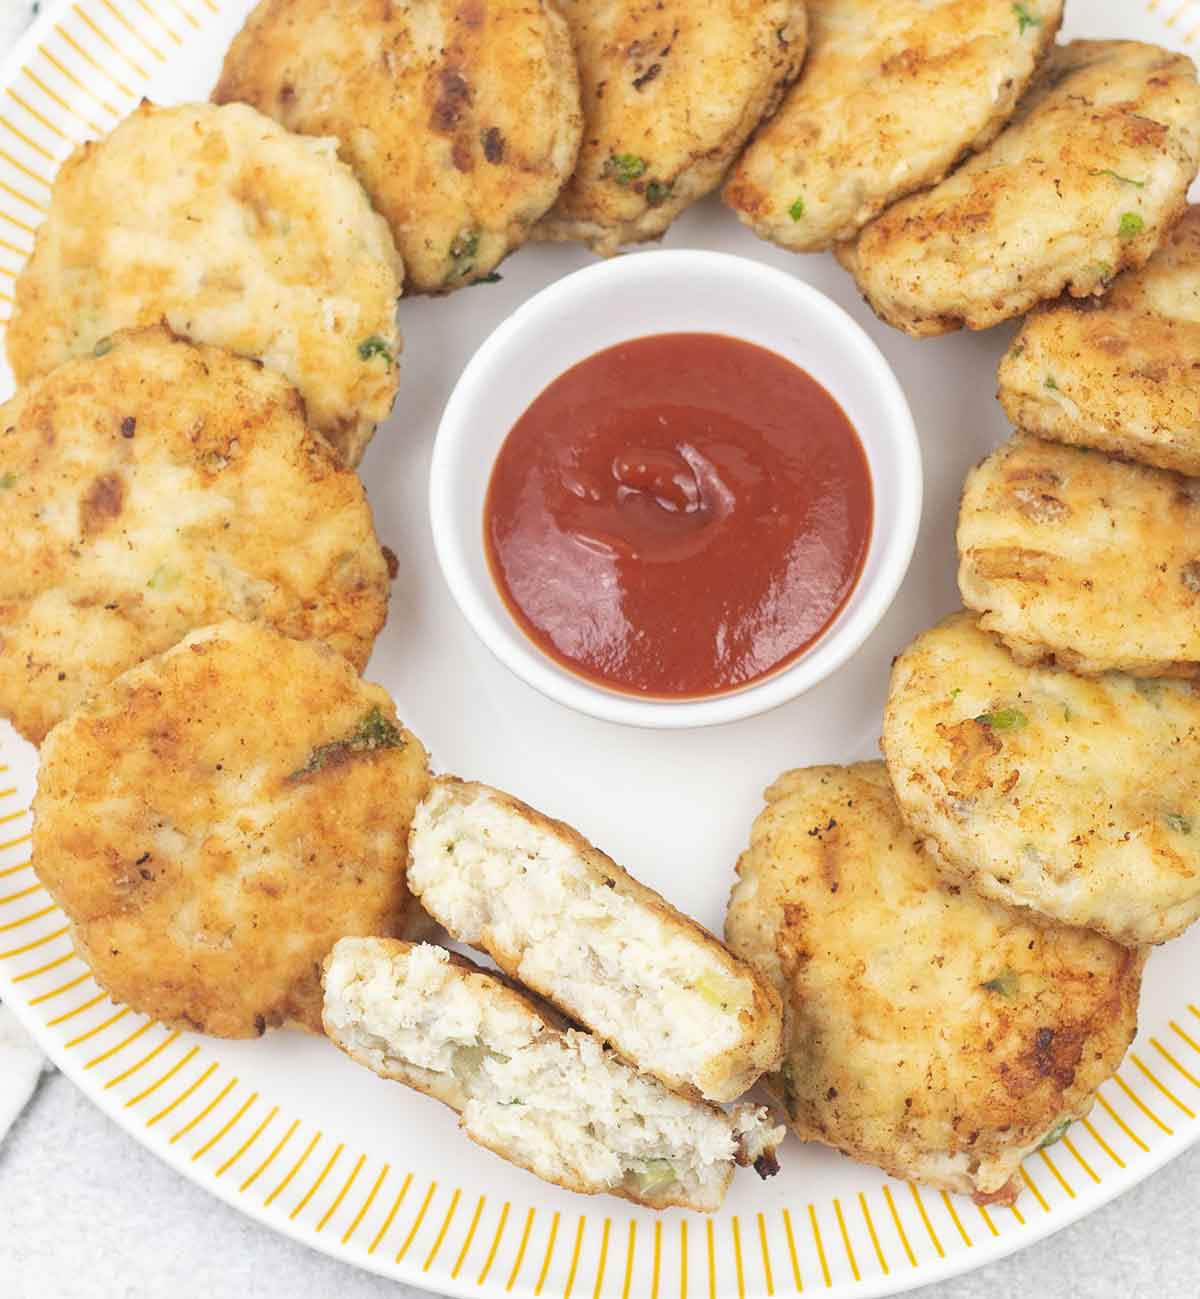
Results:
654 293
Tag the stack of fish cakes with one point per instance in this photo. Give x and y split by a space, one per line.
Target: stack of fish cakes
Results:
477 126
205 340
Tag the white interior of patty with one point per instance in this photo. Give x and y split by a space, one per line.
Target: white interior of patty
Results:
556 1101
610 961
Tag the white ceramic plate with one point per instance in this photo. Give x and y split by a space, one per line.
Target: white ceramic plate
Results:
288 1130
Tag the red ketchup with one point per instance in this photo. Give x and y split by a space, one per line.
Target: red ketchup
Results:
679 516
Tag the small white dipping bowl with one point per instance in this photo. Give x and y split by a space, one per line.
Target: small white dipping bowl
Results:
661 292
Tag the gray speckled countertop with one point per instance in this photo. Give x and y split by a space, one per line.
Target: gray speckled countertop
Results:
15 16
85 1211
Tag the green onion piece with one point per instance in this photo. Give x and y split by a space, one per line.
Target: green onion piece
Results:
1131 225
1004 719
1025 19
655 1176
624 168
657 192
1056 1133
163 578
374 346
103 347
1051 383
1125 180
463 248
1005 984
796 211
375 731
717 991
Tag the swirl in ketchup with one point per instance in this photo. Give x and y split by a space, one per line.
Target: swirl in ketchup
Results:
679 516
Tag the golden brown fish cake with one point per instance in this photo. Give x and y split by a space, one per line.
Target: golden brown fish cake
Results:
931 1032
1121 375
1072 557
1087 179
460 117
216 818
893 93
220 224
1078 797
671 92
162 487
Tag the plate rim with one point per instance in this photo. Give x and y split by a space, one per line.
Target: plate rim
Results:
953 1263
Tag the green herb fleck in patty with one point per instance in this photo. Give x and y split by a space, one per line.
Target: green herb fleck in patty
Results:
1125 180
374 346
163 578
796 211
1005 984
624 168
1004 719
1025 19
1056 1133
372 733
1131 225
462 254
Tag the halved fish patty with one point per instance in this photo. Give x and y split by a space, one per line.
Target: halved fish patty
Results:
570 924
543 1096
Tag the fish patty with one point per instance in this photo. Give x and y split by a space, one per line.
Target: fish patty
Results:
214 819
671 92
929 1031
1075 558
1120 375
222 225
1087 179
1076 797
541 1094
162 487
461 118
570 924
893 93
